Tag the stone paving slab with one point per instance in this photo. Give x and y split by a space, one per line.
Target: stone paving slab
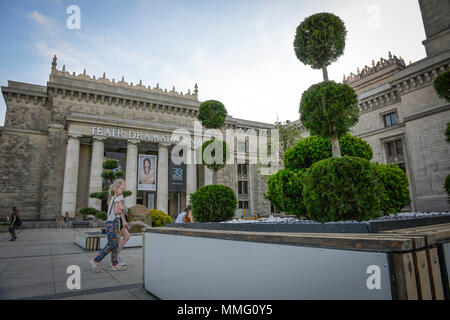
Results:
34 267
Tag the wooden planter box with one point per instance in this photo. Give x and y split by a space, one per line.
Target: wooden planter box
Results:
242 265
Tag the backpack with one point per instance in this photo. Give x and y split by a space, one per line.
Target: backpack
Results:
18 222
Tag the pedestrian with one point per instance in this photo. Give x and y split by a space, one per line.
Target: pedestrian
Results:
66 220
14 222
180 217
123 230
115 212
188 218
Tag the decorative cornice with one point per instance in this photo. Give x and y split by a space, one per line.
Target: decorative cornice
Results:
64 74
381 65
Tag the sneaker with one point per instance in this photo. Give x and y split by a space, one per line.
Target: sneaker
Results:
12 239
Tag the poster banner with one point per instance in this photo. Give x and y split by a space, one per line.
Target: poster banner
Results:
147 172
177 177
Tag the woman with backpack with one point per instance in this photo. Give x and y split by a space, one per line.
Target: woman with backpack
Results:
15 222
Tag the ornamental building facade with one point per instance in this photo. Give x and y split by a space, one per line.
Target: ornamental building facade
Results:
56 137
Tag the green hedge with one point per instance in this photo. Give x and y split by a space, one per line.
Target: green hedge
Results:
213 203
216 145
313 149
101 215
346 188
212 114
159 218
285 192
395 182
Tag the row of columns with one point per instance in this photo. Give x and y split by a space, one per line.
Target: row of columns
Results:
69 200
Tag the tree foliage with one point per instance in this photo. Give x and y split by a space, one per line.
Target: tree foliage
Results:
314 148
320 40
219 152
340 189
329 109
213 203
212 114
442 85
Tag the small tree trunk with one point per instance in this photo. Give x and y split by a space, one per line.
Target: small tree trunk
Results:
325 74
335 147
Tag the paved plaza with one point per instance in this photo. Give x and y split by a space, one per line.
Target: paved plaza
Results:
34 267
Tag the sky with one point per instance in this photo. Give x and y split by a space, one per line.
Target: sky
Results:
240 52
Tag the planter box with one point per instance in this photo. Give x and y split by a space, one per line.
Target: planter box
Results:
98 240
237 265
338 227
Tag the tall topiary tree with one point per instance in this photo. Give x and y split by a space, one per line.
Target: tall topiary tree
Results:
111 172
327 109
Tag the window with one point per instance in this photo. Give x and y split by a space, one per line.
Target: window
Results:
242 169
243 204
242 146
243 187
390 119
395 153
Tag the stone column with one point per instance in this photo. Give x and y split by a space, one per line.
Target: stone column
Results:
209 174
69 199
191 175
95 180
162 188
131 172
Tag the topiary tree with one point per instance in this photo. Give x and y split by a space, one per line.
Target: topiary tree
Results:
111 172
442 85
346 188
211 147
213 203
329 110
212 114
284 191
320 40
395 182
159 218
314 148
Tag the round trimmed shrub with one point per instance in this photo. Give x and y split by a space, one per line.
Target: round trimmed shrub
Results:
212 114
442 85
213 203
313 149
328 109
160 218
110 164
320 40
285 192
339 189
395 182
216 145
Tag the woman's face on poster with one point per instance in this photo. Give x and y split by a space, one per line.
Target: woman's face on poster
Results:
146 164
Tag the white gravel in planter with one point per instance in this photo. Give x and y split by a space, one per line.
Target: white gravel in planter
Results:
392 217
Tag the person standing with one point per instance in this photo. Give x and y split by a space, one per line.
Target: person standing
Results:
66 220
115 212
123 229
182 215
14 221
188 218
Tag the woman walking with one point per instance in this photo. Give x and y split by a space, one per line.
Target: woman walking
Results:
115 212
123 229
14 219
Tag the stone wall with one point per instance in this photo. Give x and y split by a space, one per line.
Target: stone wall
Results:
84 172
22 156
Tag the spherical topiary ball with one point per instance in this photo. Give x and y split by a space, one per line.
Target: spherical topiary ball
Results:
212 114
341 189
213 203
329 109
320 40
